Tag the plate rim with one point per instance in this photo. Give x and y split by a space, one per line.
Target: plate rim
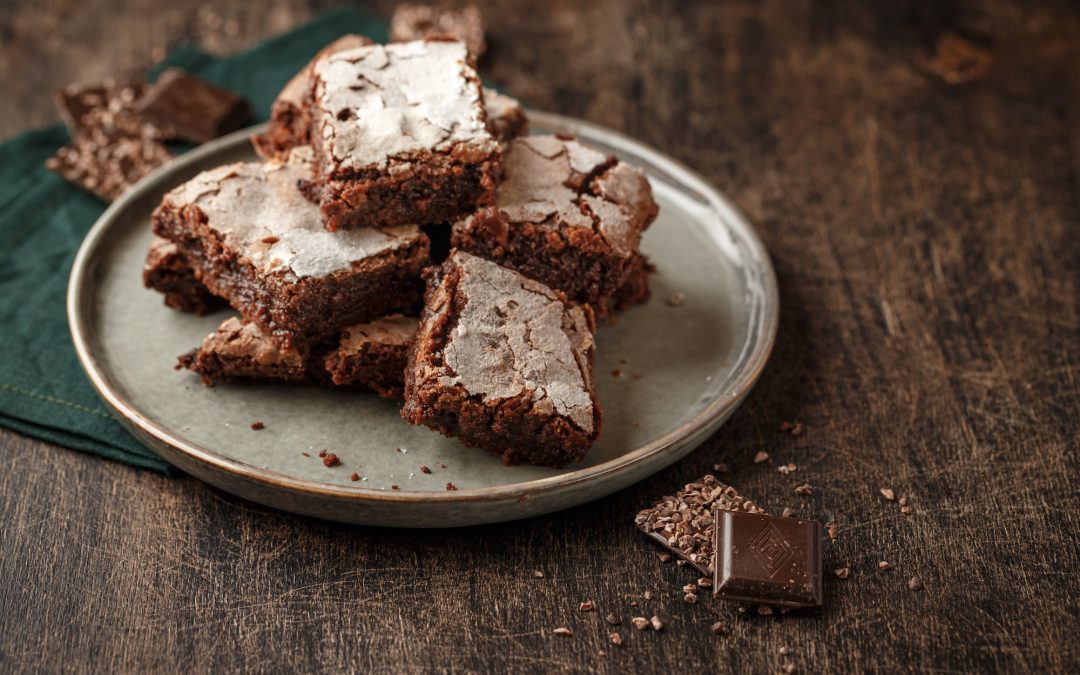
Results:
704 423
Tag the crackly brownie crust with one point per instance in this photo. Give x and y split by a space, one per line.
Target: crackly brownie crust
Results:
374 354
506 118
568 216
502 362
252 239
368 356
168 272
400 136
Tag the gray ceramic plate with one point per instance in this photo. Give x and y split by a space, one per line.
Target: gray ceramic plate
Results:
684 370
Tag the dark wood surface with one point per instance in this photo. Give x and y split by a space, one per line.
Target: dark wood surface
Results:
926 234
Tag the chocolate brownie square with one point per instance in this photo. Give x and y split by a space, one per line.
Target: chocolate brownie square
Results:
367 356
399 136
168 272
374 354
569 216
503 362
290 119
252 238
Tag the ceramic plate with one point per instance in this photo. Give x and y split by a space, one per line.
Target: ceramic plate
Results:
684 370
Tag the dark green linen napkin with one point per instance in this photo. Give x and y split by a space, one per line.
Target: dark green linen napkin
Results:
43 390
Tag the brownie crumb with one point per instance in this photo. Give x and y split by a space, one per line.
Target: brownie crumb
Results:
906 510
537 574
616 373
647 595
355 477
842 572
883 566
305 454
720 467
523 498
424 468
677 299
269 240
887 493
613 620
788 468
804 490
704 582
764 611
586 606
915 584
330 460
257 426
787 512
793 428
640 622
718 628
322 453
562 631
664 557
761 457
615 638
450 487
657 624
394 487
441 465
788 668
832 530
690 598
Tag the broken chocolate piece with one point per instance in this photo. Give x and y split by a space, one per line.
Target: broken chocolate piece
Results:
195 109
767 560
684 523
107 165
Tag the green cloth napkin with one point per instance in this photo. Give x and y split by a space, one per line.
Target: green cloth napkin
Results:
43 390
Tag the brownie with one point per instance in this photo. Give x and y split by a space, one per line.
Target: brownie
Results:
367 356
241 351
504 363
252 238
106 163
290 120
168 272
416 22
568 216
399 136
374 354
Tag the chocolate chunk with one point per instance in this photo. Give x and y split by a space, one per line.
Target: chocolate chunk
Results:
684 523
197 110
767 560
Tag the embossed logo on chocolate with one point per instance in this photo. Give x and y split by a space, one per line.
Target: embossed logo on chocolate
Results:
770 549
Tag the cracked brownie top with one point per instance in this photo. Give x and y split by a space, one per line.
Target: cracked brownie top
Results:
260 214
378 103
515 336
559 182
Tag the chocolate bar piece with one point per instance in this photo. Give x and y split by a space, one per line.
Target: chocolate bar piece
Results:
195 109
685 523
767 560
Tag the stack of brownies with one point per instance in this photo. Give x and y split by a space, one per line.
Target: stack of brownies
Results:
402 236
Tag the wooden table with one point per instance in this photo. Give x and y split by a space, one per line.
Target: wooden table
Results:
915 172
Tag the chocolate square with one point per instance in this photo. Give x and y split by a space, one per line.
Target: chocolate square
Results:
767 560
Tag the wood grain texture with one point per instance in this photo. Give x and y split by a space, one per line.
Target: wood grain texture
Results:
927 241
